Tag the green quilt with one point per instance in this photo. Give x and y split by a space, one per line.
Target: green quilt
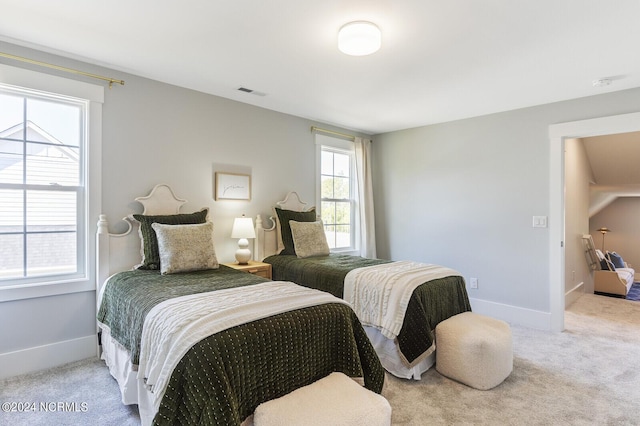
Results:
130 295
224 377
431 303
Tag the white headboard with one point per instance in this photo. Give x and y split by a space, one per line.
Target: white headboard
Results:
121 252
266 241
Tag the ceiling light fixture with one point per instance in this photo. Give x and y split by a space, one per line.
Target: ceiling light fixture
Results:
359 38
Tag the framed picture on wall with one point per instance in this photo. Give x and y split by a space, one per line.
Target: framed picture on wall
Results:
232 186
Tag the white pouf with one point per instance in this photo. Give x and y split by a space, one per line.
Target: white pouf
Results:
333 400
474 349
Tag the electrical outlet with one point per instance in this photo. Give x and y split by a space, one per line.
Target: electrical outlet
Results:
473 282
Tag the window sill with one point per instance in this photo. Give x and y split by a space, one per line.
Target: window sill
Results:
349 252
53 288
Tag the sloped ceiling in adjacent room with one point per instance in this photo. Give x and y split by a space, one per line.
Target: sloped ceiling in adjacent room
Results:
615 163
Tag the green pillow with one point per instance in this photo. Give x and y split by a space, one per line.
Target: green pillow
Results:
149 249
285 216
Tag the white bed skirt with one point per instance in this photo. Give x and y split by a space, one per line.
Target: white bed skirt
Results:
132 390
390 358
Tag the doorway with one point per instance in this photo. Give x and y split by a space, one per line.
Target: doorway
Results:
557 135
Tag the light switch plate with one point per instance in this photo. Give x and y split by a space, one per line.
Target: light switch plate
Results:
539 221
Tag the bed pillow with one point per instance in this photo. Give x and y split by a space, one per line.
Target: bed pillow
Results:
149 247
606 265
284 216
280 244
616 259
185 248
309 238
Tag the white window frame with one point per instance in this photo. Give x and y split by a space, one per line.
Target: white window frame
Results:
18 78
342 146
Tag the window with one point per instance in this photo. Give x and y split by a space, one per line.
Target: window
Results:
50 132
337 192
41 184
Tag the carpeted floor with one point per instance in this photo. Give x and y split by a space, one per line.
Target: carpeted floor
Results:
585 375
634 292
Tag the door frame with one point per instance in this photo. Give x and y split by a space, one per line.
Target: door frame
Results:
557 134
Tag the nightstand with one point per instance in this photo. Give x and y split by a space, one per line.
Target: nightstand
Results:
256 268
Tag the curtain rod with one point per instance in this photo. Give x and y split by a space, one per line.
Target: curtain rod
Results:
57 67
331 132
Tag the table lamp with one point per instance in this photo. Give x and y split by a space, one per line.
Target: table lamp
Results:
243 229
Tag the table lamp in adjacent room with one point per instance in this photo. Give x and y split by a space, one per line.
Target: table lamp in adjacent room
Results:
243 229
603 231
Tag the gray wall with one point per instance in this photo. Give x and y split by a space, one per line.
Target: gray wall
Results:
623 218
464 193
158 133
461 194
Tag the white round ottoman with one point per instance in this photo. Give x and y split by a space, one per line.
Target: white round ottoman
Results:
474 349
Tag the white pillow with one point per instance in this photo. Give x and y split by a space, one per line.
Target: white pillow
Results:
309 238
185 248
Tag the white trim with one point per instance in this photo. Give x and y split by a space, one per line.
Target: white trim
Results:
22 78
557 134
47 356
512 314
574 294
50 83
50 288
345 147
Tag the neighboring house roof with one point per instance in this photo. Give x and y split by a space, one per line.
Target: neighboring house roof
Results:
50 162
38 134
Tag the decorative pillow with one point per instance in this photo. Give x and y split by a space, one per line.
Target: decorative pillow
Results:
149 248
616 259
285 230
309 238
184 248
606 265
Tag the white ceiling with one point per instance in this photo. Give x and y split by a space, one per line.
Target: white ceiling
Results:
440 60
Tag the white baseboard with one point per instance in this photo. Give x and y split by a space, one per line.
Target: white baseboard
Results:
573 294
47 356
512 314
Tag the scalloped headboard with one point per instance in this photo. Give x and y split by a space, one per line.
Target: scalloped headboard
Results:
266 241
121 252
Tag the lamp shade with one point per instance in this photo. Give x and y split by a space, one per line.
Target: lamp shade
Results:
604 230
243 228
359 38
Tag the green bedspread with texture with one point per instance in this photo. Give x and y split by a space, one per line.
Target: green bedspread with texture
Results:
224 377
431 303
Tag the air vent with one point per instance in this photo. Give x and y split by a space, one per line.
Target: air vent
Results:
601 82
253 92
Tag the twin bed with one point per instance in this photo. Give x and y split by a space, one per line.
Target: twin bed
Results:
404 339
192 341
207 346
